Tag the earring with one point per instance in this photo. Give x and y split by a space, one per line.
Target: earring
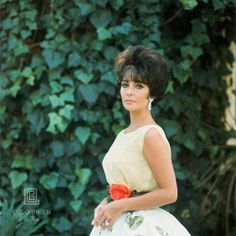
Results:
150 100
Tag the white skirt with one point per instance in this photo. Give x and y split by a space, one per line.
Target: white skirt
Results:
154 222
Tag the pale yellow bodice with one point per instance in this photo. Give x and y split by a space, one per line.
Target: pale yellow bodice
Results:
126 164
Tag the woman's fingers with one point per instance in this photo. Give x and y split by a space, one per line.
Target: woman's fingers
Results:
107 224
106 215
103 220
96 214
99 217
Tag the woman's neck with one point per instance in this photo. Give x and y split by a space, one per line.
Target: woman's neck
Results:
138 120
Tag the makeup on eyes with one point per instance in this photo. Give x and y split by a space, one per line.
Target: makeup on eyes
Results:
138 84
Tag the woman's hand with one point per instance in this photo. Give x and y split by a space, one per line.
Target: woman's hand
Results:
105 215
98 208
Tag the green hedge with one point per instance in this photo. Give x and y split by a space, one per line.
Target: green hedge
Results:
60 109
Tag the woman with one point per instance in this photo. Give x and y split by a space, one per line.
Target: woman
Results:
138 165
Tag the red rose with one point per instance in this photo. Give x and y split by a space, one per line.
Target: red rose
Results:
118 191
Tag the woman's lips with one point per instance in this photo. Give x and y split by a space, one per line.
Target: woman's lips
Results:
128 101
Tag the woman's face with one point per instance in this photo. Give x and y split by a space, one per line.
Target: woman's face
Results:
134 95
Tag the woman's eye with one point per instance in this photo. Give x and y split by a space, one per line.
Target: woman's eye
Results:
139 86
124 85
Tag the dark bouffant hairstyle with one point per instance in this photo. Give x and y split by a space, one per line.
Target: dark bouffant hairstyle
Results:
143 65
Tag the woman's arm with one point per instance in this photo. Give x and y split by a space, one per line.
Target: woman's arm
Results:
158 156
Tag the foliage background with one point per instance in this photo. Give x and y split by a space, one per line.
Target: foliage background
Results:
60 112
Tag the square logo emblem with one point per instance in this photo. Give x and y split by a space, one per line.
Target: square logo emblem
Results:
31 196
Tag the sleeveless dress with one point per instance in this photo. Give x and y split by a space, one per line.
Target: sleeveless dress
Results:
125 164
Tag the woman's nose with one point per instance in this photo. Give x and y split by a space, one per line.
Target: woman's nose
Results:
129 90
129 93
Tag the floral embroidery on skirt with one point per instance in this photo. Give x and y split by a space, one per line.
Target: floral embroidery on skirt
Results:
154 222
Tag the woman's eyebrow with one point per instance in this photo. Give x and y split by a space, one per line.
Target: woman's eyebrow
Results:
135 81
140 82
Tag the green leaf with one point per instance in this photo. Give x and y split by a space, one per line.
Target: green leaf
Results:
83 76
56 87
6 143
21 49
50 34
62 224
103 33
28 73
59 100
198 27
67 80
36 61
171 127
100 18
37 121
15 88
66 111
89 92
7 24
68 95
109 77
102 3
218 5
73 148
125 28
14 75
83 133
74 60
185 65
49 181
188 142
110 53
58 148
2 109
76 189
13 42
30 15
56 101
53 58
76 205
17 178
3 94
194 52
170 88
22 162
97 45
189 4
85 8
84 174
181 71
3 81
180 175
25 34
30 80
116 4
56 123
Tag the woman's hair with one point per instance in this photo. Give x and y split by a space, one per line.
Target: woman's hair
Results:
143 65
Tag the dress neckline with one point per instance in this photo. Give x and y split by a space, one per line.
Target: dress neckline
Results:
130 132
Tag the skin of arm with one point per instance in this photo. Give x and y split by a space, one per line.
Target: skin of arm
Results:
159 159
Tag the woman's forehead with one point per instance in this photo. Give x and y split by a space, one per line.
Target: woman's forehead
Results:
131 75
129 79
